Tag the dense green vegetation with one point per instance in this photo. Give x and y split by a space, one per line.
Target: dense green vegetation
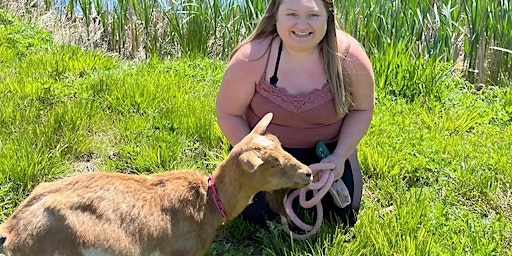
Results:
476 34
437 150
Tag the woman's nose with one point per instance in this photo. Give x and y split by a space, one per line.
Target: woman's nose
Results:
302 23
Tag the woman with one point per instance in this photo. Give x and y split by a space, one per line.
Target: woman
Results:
318 82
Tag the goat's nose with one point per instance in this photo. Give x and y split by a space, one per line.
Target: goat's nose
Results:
309 175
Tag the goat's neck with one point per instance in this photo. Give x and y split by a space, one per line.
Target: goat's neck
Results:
233 194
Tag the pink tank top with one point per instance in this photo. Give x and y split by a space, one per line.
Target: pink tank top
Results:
299 120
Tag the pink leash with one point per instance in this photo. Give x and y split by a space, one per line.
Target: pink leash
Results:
319 188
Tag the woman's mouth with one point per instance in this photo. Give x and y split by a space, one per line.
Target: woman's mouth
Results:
300 34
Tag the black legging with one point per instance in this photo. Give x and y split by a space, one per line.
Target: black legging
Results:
259 211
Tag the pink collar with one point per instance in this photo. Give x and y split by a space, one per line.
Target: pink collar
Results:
216 198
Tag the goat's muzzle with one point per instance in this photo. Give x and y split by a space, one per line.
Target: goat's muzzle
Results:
305 177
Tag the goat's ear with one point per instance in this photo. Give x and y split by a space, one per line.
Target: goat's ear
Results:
261 126
250 161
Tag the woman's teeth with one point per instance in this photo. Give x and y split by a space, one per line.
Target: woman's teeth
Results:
301 34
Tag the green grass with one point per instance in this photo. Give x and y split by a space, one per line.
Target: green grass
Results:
437 150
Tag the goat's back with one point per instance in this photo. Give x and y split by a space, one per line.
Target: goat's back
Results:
132 214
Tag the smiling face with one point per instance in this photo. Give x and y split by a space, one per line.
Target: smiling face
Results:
301 23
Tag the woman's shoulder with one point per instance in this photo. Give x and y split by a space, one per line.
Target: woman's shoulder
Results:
254 50
353 51
347 44
248 62
360 73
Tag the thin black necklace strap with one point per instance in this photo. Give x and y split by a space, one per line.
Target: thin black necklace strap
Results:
274 79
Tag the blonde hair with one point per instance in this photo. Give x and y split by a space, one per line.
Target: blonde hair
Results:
333 60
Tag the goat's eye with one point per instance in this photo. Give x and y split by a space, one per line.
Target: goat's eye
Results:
274 164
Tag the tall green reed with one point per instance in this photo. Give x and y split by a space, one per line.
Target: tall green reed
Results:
191 25
490 25
449 30
207 28
477 34
399 74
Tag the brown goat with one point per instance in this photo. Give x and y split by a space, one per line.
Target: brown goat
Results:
171 213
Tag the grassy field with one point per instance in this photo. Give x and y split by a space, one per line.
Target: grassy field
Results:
438 150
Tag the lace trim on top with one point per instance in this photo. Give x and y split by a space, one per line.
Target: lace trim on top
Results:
291 102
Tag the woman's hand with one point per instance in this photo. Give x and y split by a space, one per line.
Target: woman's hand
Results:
339 164
319 169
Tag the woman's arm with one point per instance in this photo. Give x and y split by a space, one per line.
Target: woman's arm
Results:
357 120
235 94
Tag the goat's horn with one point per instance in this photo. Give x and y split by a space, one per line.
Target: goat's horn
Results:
261 126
